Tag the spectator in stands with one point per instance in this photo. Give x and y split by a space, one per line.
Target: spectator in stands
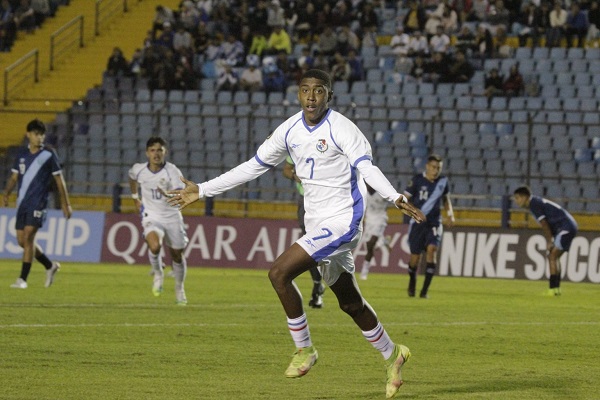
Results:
279 40
449 19
367 19
440 42
224 19
41 11
205 6
328 42
558 24
233 50
478 12
485 42
498 17
291 18
320 61
544 23
274 79
418 44
165 38
184 78
201 38
341 15
340 69
436 70
189 16
502 48
323 18
163 14
399 42
417 70
306 57
228 78
258 16
594 21
24 16
275 14
415 19
8 28
577 25
307 20
136 63
117 65
528 24
183 42
252 78
347 40
259 42
465 41
287 65
514 85
493 84
460 70
357 70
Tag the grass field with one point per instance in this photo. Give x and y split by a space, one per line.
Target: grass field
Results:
98 333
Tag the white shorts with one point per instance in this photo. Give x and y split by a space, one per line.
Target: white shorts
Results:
331 246
375 226
172 232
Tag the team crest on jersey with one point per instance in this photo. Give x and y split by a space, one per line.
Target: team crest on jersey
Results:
322 145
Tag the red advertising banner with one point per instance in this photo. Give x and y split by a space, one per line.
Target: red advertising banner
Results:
233 242
256 243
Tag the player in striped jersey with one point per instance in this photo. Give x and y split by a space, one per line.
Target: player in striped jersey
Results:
34 169
427 191
331 157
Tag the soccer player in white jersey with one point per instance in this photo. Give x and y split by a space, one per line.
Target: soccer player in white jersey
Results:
159 220
376 220
34 168
332 157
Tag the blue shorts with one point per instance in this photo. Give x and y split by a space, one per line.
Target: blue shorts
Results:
30 218
422 235
563 239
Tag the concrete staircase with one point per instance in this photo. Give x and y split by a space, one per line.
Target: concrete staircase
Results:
71 78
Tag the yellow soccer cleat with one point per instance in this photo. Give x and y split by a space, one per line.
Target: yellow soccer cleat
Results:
398 358
302 362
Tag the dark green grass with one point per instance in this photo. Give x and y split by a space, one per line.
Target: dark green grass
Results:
98 333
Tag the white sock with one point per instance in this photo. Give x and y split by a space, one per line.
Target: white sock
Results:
380 340
156 262
366 265
299 330
180 271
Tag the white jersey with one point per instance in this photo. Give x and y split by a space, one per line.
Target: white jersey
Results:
331 159
153 203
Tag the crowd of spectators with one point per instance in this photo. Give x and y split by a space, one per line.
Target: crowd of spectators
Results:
253 45
23 16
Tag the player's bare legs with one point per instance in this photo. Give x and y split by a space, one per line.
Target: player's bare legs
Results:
364 272
289 265
154 244
353 304
180 271
293 262
413 267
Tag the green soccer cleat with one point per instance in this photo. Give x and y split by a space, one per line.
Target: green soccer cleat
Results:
302 361
398 358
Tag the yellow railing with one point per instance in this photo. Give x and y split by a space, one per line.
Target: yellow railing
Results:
24 70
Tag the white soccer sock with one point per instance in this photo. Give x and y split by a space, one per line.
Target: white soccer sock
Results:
366 265
380 340
180 271
156 262
299 330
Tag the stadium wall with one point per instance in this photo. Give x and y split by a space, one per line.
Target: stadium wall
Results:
255 243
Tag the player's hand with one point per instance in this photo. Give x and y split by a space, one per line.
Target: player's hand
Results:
183 197
403 205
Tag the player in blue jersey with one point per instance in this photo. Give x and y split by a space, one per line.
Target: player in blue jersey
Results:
558 226
333 159
427 191
289 172
33 170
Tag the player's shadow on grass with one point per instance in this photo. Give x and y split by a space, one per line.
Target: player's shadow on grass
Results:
510 384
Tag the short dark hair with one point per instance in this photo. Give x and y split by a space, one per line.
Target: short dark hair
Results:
435 157
156 139
523 191
36 126
320 75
